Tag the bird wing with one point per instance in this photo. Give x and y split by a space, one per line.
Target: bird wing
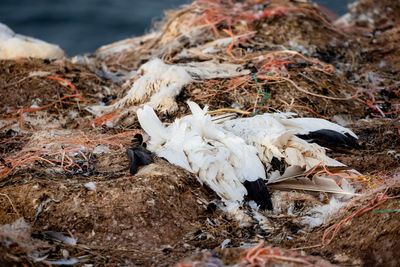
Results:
241 156
307 125
273 135
151 124
166 142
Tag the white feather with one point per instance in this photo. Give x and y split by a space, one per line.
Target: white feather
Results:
151 124
220 159
159 82
306 125
166 141
274 135
321 213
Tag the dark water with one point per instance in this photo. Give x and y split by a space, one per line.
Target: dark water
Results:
80 26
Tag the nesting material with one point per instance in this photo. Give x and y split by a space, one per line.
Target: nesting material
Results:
308 210
217 45
13 46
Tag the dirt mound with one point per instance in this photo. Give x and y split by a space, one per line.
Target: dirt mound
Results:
123 216
40 76
50 90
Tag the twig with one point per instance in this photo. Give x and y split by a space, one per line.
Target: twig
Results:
12 205
309 247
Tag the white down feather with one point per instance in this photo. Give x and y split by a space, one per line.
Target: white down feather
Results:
221 159
274 135
159 82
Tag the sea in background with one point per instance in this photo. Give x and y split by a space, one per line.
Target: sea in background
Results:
82 26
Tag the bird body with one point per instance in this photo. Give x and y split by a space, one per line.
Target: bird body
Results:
167 142
220 159
233 157
158 84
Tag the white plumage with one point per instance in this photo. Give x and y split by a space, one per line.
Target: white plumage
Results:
161 83
158 84
274 135
221 159
226 155
306 125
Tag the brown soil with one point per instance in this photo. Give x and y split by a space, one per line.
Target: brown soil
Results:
162 214
124 217
14 77
371 239
380 140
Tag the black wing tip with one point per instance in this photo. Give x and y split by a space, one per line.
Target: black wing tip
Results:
352 141
331 139
258 191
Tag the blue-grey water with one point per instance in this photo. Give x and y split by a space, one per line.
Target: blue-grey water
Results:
81 26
